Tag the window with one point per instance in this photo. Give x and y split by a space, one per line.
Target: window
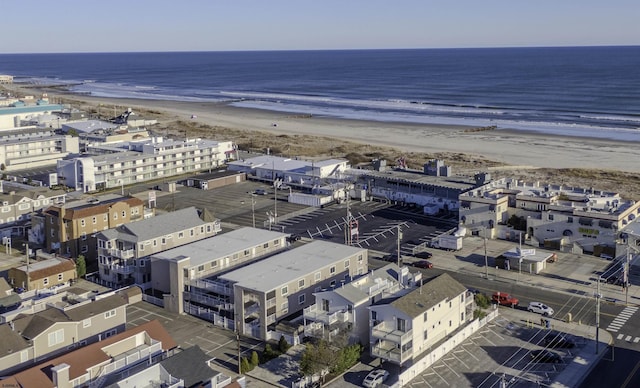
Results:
185 272
301 283
214 263
425 335
56 337
265 245
247 252
359 258
550 217
155 242
301 299
202 229
45 281
142 263
333 283
60 277
374 315
450 323
86 322
84 249
284 291
570 220
83 236
191 232
94 220
181 235
124 214
109 314
424 316
462 316
200 268
285 307
208 228
346 263
317 276
276 242
115 216
82 223
105 218
141 246
164 241
332 270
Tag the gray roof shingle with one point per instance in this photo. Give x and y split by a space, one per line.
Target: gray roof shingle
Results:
415 303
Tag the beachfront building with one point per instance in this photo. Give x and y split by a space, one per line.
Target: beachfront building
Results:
20 202
299 173
404 328
145 160
182 276
34 147
93 365
6 79
436 189
43 274
345 309
555 216
123 252
12 116
34 335
70 228
262 294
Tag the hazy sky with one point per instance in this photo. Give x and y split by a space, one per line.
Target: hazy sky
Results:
35 26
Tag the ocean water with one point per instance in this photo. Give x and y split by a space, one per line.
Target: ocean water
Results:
575 91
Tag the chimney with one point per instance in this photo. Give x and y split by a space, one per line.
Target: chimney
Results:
60 375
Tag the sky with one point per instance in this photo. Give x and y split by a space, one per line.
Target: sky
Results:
44 26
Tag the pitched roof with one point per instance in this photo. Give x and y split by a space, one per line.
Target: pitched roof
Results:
32 325
96 307
11 341
160 225
82 359
428 295
99 208
190 365
46 268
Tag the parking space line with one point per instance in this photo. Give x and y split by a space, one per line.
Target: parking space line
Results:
460 361
207 339
438 374
451 369
152 313
471 354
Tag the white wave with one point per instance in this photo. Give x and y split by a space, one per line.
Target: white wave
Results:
611 118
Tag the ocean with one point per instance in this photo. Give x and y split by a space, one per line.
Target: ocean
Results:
574 91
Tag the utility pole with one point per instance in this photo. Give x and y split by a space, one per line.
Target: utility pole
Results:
399 238
486 263
598 314
625 278
253 209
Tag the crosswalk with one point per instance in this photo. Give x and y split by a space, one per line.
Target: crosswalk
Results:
628 338
622 318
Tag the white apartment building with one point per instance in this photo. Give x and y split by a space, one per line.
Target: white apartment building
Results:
13 115
33 147
149 159
566 218
260 295
403 328
346 308
123 252
20 201
185 276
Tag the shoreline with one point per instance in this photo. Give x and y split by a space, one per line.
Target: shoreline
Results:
514 147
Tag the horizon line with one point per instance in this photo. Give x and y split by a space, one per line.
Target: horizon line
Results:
327 49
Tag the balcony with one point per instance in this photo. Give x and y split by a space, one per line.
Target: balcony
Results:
208 300
387 332
118 253
314 313
318 330
389 351
122 269
208 285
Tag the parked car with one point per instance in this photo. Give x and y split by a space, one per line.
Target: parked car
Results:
558 340
392 258
423 264
375 378
504 299
284 187
547 356
260 192
424 255
540 308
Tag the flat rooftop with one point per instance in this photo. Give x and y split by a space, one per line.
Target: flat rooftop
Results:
285 267
459 182
222 245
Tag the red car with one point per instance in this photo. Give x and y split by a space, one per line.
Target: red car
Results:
423 264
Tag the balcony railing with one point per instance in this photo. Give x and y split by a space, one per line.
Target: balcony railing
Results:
122 269
315 313
208 300
118 253
390 352
387 331
211 286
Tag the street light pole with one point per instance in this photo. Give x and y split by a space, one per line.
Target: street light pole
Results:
253 209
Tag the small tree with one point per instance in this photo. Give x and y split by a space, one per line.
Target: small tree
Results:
482 301
81 266
244 366
255 360
283 345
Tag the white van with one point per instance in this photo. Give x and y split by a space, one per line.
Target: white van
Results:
540 308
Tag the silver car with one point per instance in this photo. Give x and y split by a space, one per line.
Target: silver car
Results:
375 378
540 308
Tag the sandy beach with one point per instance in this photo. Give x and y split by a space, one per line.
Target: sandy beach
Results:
510 147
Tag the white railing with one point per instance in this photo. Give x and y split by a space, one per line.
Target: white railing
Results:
386 331
153 300
211 286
